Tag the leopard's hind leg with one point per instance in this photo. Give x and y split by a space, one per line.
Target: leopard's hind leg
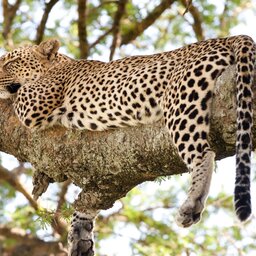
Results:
186 114
190 211
195 151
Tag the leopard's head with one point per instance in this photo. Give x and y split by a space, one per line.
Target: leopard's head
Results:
26 64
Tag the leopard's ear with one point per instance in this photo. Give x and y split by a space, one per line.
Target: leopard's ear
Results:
47 49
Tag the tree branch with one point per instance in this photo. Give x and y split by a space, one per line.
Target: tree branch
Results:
82 31
187 5
27 244
106 165
138 28
101 37
13 180
9 13
57 224
41 27
197 25
116 27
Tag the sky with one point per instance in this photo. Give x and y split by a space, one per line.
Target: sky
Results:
223 178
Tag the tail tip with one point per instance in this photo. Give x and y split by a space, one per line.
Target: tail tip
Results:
243 213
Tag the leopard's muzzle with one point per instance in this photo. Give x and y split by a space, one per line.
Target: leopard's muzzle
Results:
13 87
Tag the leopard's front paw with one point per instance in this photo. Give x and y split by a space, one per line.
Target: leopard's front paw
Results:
82 248
80 237
189 213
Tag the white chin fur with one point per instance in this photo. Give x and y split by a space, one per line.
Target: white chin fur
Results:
6 95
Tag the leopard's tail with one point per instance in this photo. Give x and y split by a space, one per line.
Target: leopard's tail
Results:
244 52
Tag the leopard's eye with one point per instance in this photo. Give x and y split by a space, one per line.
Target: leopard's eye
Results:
9 62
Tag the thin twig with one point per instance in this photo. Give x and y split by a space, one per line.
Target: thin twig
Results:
101 37
188 4
57 224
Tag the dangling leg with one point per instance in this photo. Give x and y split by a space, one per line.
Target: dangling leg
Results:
80 236
188 125
190 211
190 138
187 108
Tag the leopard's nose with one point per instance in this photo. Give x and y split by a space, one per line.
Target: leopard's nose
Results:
13 88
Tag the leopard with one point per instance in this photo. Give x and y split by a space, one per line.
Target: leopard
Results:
49 88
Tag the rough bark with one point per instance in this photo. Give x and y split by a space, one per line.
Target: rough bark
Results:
106 165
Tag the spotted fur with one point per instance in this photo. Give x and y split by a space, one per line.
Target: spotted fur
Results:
176 86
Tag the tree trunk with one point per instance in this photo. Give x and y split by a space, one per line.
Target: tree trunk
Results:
106 165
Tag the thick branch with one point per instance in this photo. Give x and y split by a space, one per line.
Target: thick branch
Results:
106 165
139 27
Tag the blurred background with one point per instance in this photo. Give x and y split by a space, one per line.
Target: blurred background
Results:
142 223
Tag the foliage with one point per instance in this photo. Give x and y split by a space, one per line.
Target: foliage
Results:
146 217
170 28
143 218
